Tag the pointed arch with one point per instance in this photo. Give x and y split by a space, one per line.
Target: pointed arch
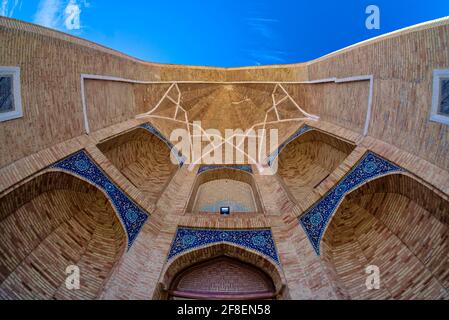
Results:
50 222
189 258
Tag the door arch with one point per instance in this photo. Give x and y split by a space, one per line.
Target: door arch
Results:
209 258
222 278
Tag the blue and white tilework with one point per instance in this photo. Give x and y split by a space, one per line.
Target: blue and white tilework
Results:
181 159
297 134
260 240
204 168
131 215
315 220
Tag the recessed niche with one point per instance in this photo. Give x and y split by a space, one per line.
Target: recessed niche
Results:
224 188
50 223
222 278
307 161
398 225
142 158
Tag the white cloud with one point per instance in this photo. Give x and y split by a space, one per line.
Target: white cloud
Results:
7 8
265 40
4 8
268 56
60 14
262 26
48 14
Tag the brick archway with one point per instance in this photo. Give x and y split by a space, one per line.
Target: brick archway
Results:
232 187
53 221
305 162
241 256
397 224
222 278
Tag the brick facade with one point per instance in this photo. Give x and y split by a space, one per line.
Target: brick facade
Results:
50 220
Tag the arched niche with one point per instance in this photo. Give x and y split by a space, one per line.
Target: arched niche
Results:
271 282
397 224
224 187
143 158
222 278
307 161
49 223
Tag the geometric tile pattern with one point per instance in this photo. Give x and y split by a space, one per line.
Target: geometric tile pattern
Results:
204 168
300 132
130 214
260 240
180 158
316 219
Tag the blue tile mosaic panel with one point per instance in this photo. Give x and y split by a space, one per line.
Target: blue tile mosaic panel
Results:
260 240
204 168
181 159
315 220
131 215
296 135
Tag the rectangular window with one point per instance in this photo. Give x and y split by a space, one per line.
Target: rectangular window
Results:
10 99
440 97
444 98
6 94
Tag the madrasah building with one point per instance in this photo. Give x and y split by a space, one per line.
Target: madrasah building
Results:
346 196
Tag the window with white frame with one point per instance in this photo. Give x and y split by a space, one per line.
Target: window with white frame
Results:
10 98
440 97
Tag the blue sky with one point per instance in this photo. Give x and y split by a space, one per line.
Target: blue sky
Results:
223 33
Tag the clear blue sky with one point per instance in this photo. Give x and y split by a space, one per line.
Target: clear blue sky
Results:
223 32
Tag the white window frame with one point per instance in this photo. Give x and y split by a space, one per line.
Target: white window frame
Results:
434 115
17 112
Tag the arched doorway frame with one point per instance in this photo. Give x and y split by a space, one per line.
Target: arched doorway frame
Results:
202 254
